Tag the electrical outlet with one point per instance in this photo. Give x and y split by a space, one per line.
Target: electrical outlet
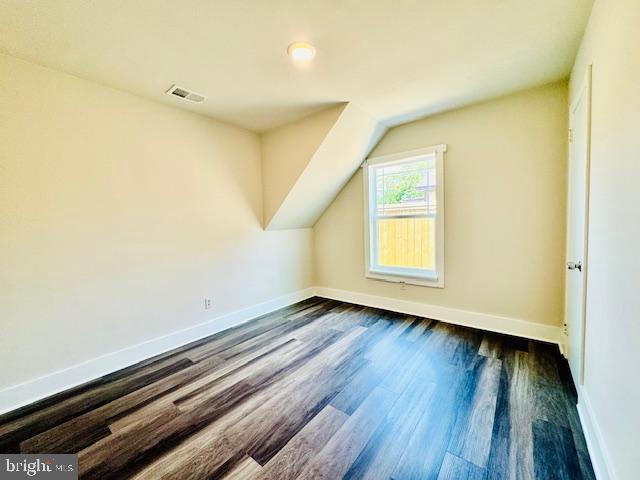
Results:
207 303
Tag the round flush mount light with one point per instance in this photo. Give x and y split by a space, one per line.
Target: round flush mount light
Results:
301 51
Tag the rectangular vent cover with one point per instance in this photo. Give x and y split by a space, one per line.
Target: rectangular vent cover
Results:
186 94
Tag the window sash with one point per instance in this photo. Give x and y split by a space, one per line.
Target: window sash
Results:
389 217
420 276
412 272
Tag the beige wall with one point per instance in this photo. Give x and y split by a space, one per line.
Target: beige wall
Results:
286 152
505 176
611 391
118 216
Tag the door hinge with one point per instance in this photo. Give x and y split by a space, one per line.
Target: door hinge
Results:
570 136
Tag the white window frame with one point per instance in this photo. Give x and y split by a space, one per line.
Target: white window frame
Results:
412 276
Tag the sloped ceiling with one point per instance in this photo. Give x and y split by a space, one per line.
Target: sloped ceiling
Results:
378 64
287 151
341 150
395 59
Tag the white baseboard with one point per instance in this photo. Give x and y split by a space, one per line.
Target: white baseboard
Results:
493 323
563 344
28 392
600 458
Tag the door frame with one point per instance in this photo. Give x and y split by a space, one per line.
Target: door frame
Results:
584 90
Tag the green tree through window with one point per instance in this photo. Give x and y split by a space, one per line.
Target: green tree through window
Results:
401 187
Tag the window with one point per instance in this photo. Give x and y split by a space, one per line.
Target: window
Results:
404 217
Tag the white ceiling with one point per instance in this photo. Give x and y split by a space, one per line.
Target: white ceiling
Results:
395 59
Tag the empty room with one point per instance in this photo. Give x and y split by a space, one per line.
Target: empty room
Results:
359 239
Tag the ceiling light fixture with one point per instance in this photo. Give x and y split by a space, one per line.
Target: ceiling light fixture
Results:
301 51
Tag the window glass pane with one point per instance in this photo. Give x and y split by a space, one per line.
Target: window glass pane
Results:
407 242
406 191
406 188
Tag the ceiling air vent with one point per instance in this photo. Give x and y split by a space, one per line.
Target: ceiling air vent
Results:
186 94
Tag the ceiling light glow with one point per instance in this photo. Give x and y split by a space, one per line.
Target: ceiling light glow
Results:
301 51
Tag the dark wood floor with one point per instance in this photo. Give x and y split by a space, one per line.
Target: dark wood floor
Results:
322 389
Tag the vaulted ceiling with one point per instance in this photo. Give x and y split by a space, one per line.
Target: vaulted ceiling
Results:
396 59
305 164
379 63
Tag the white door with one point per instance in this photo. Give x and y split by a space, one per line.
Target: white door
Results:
577 220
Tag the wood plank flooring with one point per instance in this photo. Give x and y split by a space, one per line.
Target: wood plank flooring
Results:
322 390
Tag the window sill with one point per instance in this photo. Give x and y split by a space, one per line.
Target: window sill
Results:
406 279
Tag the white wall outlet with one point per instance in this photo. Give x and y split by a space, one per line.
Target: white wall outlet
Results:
207 303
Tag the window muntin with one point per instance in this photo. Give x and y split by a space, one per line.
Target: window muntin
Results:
404 198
